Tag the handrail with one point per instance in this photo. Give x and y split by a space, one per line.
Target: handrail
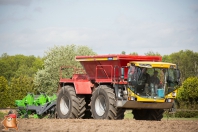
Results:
105 72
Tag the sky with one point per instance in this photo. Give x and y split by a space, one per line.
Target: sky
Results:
32 27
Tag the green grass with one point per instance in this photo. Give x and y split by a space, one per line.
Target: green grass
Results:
128 115
172 117
2 115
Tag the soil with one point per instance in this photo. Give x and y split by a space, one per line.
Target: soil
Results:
91 125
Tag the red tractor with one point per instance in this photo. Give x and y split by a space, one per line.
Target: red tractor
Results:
110 84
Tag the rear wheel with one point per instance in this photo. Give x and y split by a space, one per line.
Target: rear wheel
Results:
103 105
87 106
140 114
120 113
67 103
148 114
82 108
156 114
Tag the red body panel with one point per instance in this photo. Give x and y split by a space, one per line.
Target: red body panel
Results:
81 83
83 87
102 69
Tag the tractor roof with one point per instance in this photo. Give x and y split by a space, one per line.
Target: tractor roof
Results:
149 64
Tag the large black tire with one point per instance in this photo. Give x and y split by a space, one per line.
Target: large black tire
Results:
148 114
140 114
120 113
156 114
82 108
103 105
88 114
67 103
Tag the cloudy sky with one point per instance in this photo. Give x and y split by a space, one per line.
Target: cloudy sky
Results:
31 27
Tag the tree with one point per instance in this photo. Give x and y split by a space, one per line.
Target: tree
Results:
4 92
18 65
166 58
187 62
133 53
151 53
46 79
123 53
19 88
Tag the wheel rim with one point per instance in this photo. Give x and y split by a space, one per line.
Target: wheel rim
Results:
100 105
64 105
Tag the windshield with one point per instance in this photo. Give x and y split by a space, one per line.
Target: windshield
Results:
149 82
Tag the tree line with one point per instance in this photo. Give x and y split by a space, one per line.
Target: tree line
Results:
16 77
21 74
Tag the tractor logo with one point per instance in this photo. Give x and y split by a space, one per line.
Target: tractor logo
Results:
10 122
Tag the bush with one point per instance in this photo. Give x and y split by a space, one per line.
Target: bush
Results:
184 114
1 115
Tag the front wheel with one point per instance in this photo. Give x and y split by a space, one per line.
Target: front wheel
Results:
67 103
156 114
148 114
140 114
103 103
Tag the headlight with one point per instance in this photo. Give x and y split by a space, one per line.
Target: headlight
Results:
131 98
174 94
169 100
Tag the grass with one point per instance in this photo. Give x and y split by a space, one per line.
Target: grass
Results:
2 115
128 115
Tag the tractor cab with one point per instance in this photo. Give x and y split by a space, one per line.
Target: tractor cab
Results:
153 80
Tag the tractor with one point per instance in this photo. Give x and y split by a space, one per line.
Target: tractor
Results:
108 85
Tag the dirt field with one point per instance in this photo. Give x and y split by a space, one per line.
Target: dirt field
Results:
126 125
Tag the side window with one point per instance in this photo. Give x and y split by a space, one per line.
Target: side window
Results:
132 74
144 77
171 78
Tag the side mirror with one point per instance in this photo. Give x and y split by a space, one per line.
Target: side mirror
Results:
122 73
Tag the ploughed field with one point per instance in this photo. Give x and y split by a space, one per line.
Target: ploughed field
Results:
93 125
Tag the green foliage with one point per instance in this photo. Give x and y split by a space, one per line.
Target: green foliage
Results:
123 53
4 94
46 80
128 114
17 89
166 58
188 93
2 115
151 53
16 77
184 114
187 62
133 53
15 66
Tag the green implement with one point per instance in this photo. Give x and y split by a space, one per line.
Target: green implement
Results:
37 106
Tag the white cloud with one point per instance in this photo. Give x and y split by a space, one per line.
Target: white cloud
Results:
129 29
149 38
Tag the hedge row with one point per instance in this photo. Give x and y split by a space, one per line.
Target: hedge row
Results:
184 114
